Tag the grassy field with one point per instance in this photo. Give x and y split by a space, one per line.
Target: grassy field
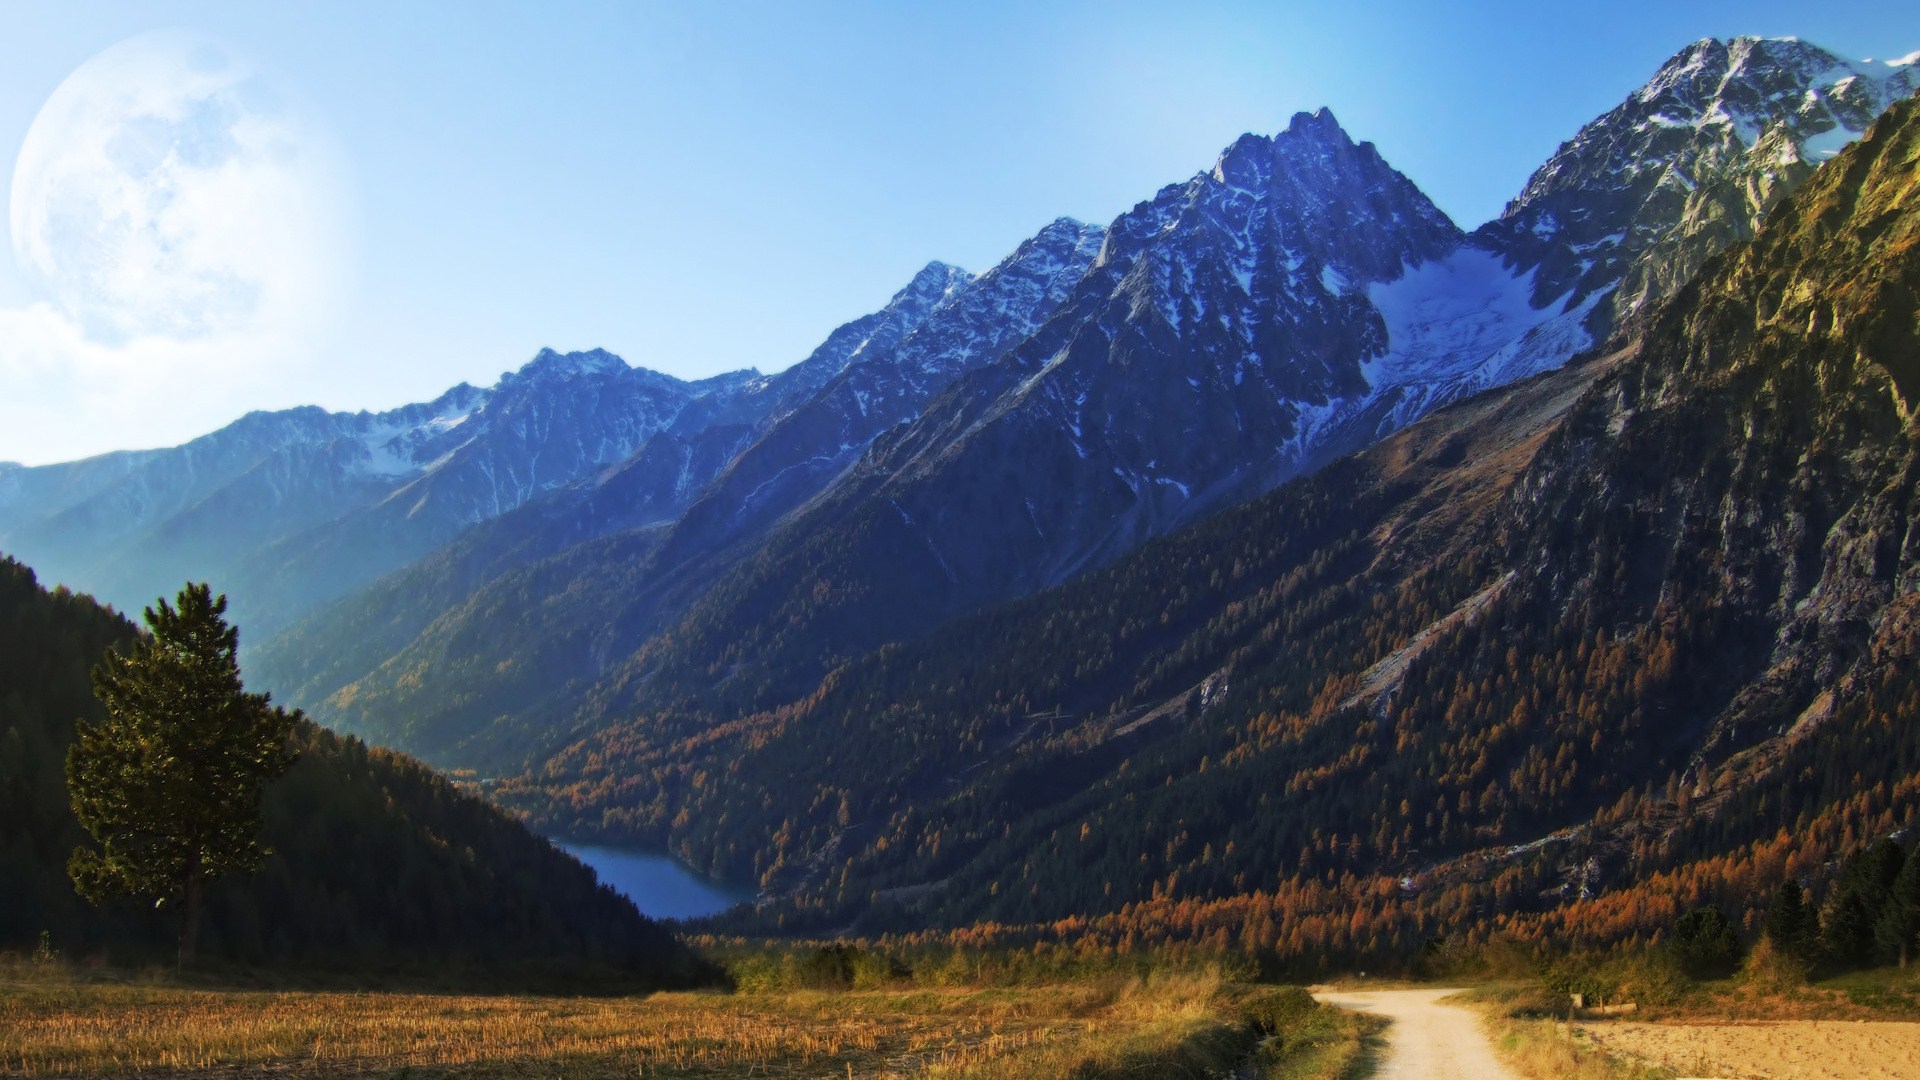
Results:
56 1022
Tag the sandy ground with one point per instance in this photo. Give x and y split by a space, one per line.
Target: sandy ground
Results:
1783 1050
1426 1040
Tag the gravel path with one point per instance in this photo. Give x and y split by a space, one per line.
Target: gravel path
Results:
1426 1040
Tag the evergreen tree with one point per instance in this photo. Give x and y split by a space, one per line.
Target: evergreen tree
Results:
1899 925
1846 933
169 783
1790 922
1705 942
1874 871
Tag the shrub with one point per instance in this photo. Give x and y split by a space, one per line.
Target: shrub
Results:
1772 967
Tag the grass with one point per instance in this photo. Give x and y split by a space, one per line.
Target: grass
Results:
1520 1018
1322 1042
1875 994
61 1022
1552 1050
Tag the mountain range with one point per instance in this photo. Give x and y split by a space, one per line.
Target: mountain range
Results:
1556 662
626 590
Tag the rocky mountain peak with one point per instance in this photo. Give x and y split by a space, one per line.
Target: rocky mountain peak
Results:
1318 125
933 284
1690 162
1308 199
548 363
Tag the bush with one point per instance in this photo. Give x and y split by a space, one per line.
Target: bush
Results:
1646 977
1772 967
1279 1009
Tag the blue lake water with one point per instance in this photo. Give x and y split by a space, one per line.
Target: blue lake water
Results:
659 885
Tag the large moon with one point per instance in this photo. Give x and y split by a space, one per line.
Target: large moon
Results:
168 190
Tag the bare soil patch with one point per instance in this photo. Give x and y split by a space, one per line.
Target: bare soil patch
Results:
1770 1050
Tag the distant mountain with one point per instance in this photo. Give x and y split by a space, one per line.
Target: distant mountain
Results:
291 509
101 522
515 617
810 446
349 830
1560 660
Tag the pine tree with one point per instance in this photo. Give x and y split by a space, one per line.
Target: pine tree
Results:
1846 932
1791 925
1705 942
1899 924
169 783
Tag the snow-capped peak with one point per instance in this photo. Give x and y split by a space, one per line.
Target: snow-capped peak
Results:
1687 163
935 282
590 362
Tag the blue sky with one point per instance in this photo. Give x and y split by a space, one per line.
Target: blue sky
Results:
706 186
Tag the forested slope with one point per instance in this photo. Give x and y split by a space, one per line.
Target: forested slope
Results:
378 863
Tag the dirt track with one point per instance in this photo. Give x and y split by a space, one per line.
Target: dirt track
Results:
1782 1050
1427 1040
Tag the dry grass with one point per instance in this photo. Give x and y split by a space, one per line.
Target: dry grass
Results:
1173 1026
1551 1050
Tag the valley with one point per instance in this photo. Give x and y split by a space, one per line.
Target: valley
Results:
1280 633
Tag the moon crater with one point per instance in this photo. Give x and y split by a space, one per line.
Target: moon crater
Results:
167 189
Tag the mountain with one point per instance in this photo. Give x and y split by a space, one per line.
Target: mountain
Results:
808 447
1140 407
94 521
706 553
523 613
1631 207
1557 661
1181 374
291 509
436 879
1295 303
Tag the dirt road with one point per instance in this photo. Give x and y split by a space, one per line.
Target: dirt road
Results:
1783 1050
1427 1040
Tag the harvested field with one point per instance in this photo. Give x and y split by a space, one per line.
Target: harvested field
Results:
1772 1050
1175 1025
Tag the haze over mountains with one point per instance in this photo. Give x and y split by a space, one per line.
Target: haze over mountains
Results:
621 583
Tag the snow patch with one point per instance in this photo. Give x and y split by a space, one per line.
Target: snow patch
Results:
1827 144
1449 313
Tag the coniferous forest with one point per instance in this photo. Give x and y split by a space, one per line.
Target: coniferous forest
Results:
376 862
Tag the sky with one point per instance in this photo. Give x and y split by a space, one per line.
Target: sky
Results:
706 186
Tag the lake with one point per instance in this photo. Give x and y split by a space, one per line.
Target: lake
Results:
659 885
